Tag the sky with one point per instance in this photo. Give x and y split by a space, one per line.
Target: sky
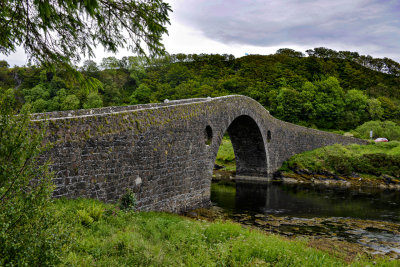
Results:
370 27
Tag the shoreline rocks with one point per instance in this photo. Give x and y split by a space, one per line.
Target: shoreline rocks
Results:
330 179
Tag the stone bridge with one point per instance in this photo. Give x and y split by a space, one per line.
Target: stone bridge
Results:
166 152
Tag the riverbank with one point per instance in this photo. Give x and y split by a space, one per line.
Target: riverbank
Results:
333 180
320 232
105 236
373 165
366 221
326 179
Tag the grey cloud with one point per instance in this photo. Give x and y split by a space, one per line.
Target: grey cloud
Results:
355 23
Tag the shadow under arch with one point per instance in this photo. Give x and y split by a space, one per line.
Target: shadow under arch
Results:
249 147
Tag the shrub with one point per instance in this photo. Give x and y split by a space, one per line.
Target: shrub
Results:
96 212
342 165
90 214
29 234
386 129
128 201
378 164
84 217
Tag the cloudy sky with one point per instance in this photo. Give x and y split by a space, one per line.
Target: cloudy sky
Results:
263 26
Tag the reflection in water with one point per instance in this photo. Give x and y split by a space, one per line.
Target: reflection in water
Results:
296 210
308 201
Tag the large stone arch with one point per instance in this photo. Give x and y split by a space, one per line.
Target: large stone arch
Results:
249 145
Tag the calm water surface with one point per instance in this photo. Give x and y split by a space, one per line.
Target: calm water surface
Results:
307 201
368 217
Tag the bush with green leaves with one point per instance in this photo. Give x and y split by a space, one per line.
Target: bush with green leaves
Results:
128 201
89 214
388 129
29 235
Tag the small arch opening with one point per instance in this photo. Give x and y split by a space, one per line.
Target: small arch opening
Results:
225 163
269 136
208 134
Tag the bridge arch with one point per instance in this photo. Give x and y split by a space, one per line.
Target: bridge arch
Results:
249 145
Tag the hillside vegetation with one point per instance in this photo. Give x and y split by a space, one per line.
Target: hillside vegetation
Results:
326 89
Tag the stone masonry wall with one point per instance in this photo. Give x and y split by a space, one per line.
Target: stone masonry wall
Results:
166 152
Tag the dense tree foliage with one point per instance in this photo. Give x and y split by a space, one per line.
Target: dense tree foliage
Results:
326 89
56 31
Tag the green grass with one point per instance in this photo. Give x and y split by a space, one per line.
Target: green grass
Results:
373 159
226 156
116 238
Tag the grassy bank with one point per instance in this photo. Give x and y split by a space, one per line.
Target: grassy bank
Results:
372 160
104 236
226 156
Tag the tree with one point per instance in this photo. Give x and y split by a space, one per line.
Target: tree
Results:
60 31
29 236
177 74
328 103
375 109
5 80
141 95
40 105
289 52
90 67
112 96
307 96
390 110
289 105
93 101
110 63
70 102
136 67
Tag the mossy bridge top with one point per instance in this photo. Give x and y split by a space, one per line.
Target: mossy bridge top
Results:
165 152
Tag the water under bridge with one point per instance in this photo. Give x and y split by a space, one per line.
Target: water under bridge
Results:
166 152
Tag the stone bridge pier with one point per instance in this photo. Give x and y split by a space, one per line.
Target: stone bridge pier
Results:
165 152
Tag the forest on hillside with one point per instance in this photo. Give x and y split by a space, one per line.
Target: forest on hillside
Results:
324 89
